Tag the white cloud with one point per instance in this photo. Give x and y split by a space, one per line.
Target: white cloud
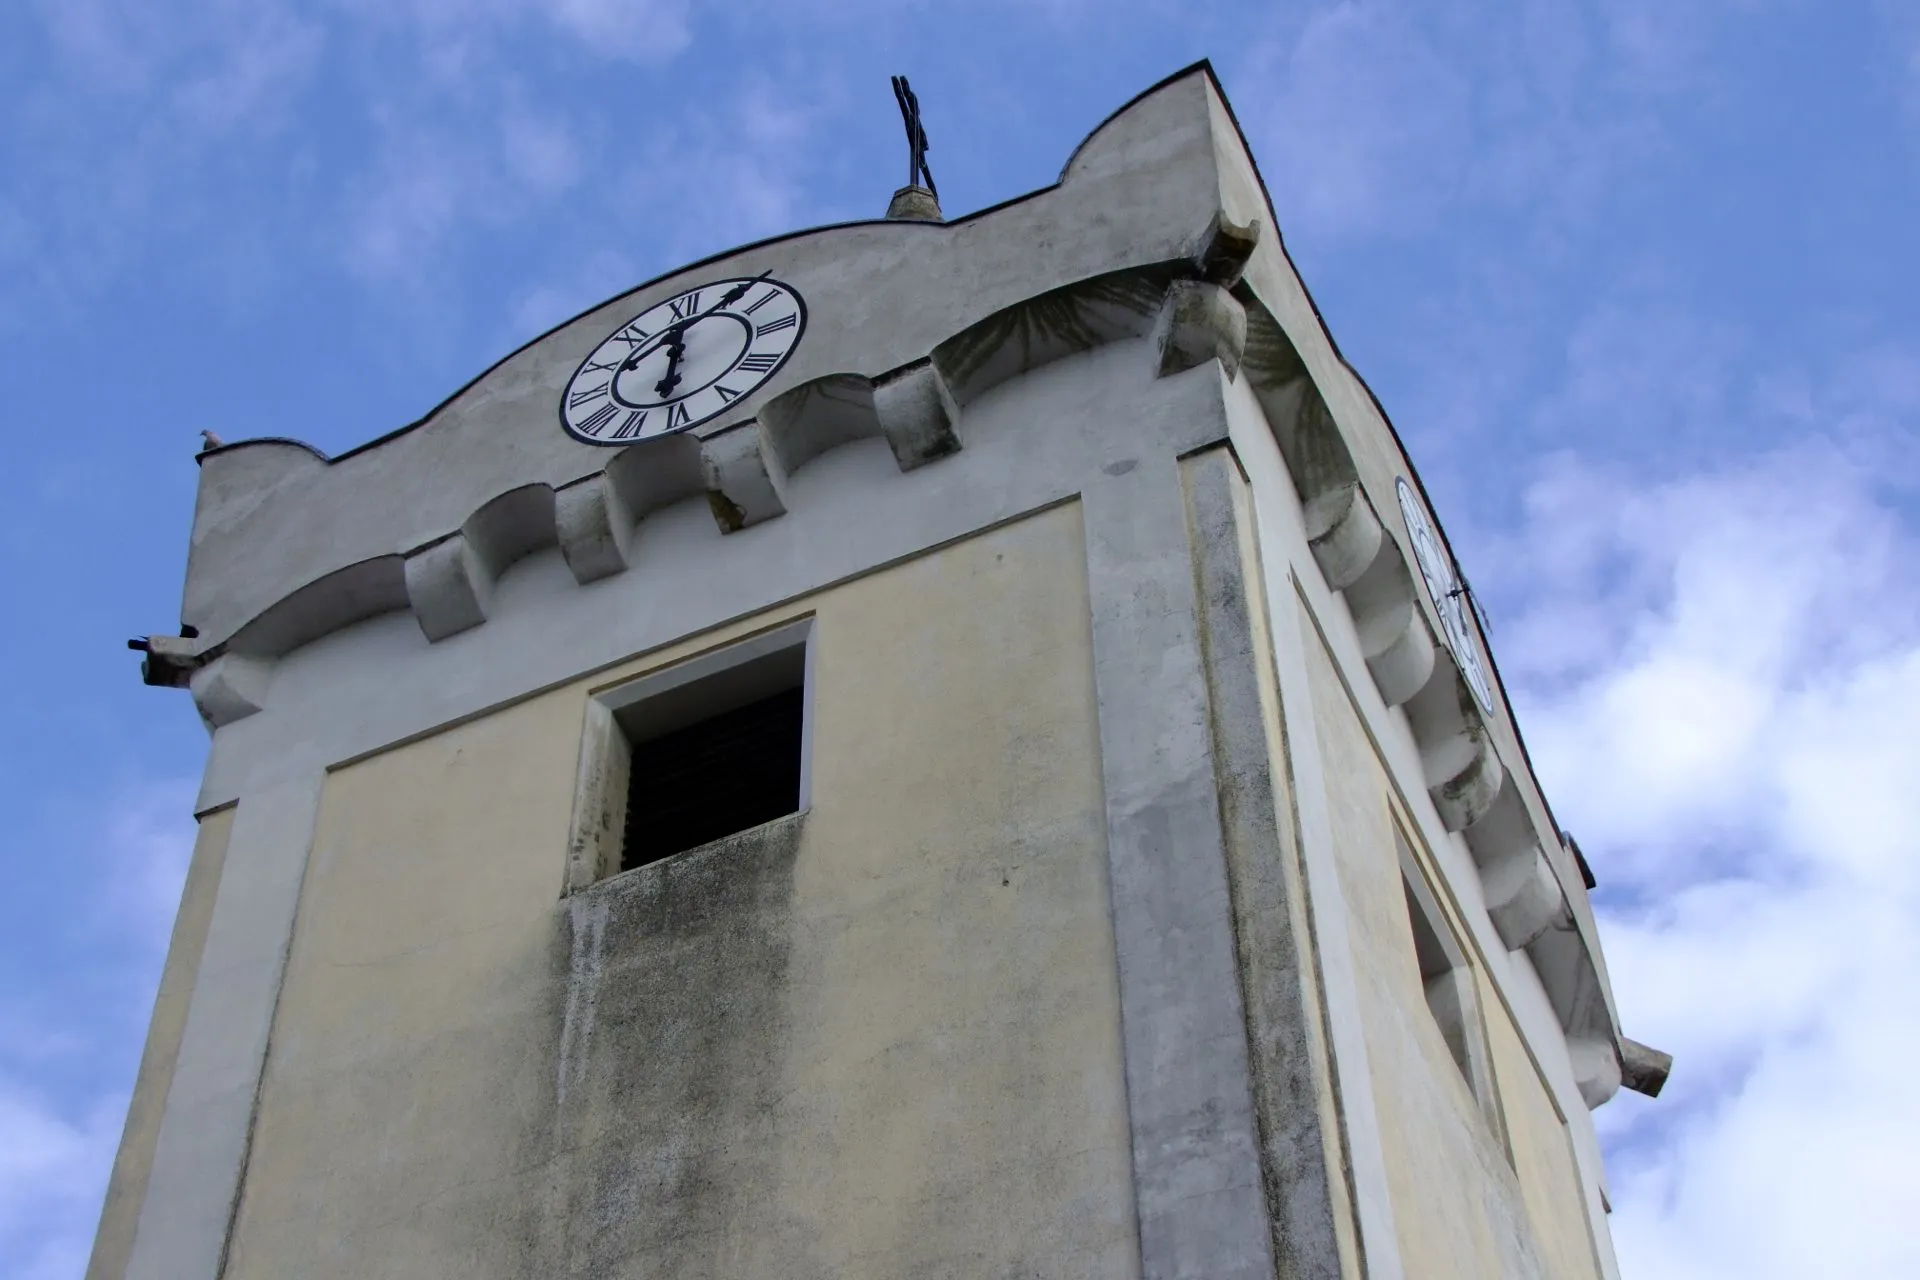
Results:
135 115
219 62
1737 750
466 32
140 853
1367 122
645 30
53 1168
436 176
60 1121
399 213
265 57
1378 118
595 278
538 149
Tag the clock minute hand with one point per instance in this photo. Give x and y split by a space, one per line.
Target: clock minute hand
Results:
675 337
734 294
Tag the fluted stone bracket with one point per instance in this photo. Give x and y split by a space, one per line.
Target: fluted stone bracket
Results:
1464 776
1596 1068
1343 533
594 527
230 687
745 480
1523 898
1394 635
1198 322
447 587
1472 790
917 414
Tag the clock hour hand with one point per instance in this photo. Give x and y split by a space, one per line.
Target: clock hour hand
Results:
676 348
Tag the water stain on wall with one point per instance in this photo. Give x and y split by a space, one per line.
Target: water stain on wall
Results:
673 1013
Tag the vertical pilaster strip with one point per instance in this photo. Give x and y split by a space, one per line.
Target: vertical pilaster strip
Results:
1196 1152
201 1154
1292 1088
1360 1123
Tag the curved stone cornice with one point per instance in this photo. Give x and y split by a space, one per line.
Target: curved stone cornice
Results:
881 295
1473 790
742 465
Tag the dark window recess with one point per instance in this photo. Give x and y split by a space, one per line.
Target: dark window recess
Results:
724 774
1443 985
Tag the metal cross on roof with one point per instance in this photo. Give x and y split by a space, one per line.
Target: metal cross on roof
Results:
918 175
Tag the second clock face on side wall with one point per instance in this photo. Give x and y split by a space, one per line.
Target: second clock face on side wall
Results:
1445 590
682 362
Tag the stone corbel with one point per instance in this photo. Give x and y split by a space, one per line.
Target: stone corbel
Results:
917 414
1524 898
1343 533
447 586
1596 1068
1393 632
1200 321
1467 789
745 479
231 687
1404 663
594 527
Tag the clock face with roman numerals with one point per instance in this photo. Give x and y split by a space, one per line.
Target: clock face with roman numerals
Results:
682 362
1448 593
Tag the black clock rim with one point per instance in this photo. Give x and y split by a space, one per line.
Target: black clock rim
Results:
800 329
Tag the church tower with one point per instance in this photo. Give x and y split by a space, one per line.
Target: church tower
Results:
910 749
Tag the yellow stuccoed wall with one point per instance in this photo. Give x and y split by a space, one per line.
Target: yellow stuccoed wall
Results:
898 1056
1542 1149
1458 1207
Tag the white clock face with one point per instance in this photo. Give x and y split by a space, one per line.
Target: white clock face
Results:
682 362
1444 589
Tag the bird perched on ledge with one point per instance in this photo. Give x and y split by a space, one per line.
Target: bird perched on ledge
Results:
211 440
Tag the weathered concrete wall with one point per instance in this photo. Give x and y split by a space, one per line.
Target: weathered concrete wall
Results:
879 1039
1303 1159
1457 1205
127 1187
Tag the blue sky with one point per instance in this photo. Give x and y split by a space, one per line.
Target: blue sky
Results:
1636 280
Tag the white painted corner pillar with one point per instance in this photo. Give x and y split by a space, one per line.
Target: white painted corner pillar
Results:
1198 1189
206 1128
